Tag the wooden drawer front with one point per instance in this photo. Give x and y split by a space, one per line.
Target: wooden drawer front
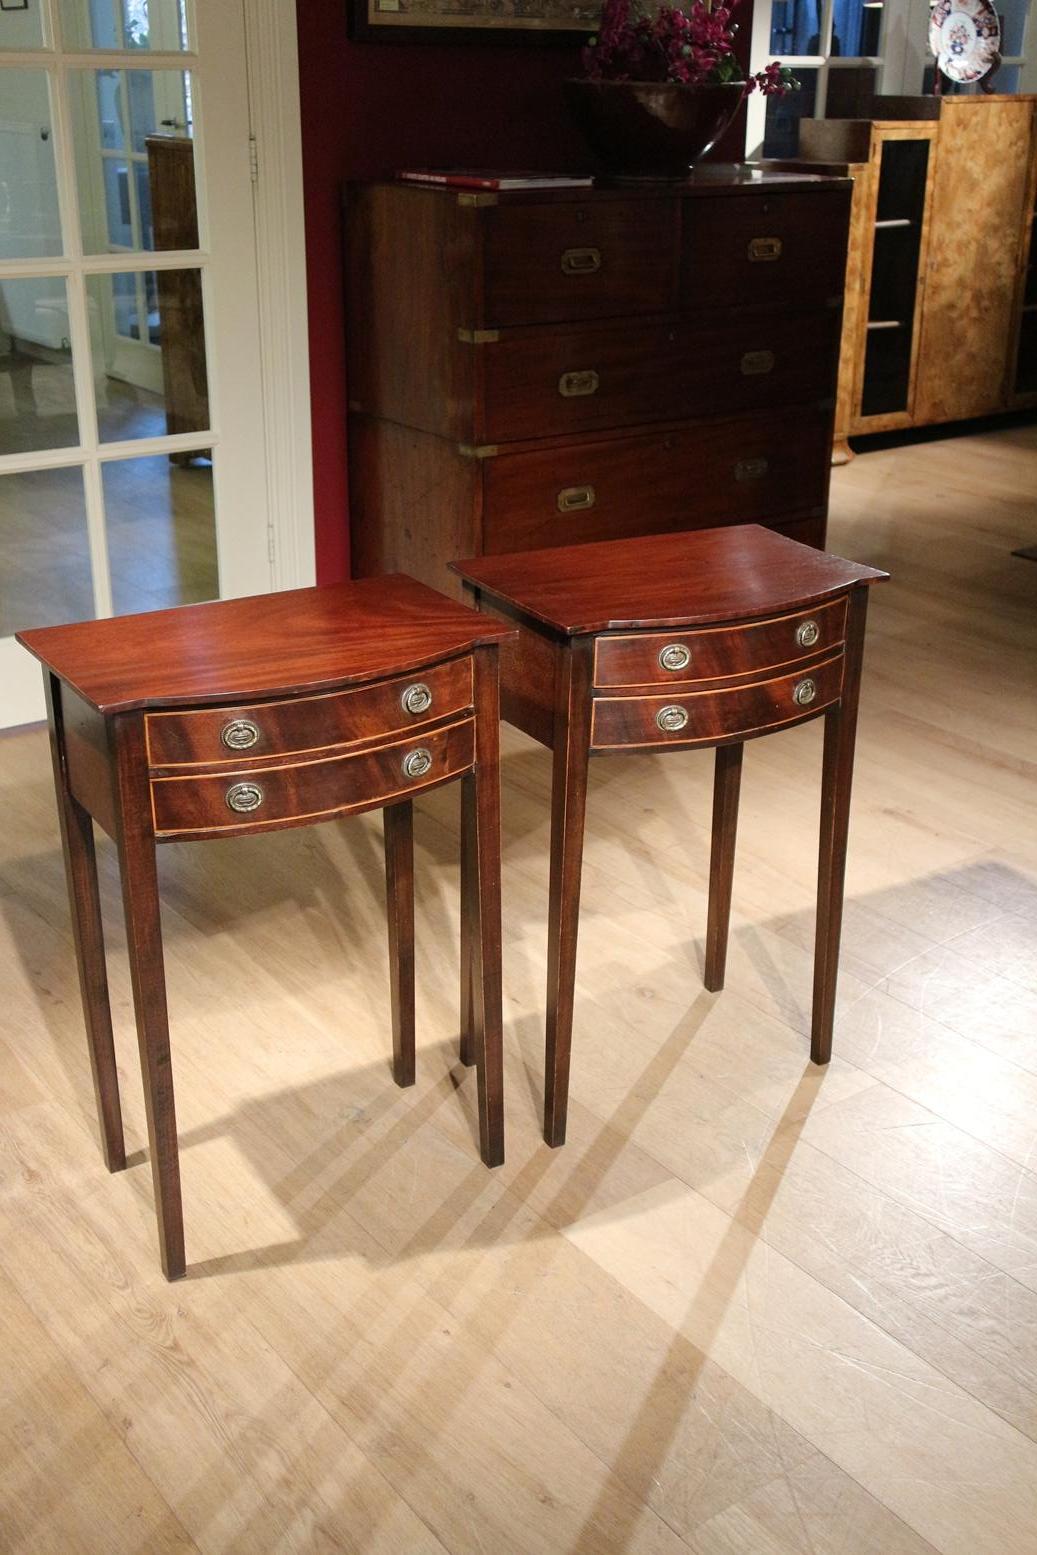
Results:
550 383
750 469
785 248
307 790
645 658
738 713
306 723
547 263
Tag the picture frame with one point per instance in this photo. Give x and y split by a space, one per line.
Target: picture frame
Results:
544 22
14 5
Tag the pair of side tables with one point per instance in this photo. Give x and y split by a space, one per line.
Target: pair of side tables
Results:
249 715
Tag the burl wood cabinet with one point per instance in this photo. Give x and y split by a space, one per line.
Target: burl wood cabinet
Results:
941 289
534 368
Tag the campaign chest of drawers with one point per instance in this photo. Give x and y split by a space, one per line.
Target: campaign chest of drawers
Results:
532 368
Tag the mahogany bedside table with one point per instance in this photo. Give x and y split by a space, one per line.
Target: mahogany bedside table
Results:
708 638
249 715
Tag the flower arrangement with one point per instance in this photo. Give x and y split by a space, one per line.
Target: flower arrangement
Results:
693 47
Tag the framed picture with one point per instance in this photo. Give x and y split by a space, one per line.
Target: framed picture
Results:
473 21
14 5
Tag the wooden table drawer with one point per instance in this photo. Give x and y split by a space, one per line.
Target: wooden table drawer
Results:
783 248
745 470
540 383
545 264
249 799
706 717
674 658
226 735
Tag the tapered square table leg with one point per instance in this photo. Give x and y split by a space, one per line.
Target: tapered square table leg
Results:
77 841
726 784
398 826
568 813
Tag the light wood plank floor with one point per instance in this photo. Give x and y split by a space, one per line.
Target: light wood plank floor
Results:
750 1309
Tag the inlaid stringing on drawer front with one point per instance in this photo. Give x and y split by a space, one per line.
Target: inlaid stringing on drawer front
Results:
706 717
713 653
213 803
223 736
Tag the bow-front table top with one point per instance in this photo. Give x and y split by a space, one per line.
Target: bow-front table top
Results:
685 579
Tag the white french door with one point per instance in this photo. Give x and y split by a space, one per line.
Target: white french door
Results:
132 468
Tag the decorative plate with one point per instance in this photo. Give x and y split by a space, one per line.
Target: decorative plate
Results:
965 36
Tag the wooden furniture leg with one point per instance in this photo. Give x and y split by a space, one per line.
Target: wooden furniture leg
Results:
481 905
726 784
398 825
836 782
77 843
137 865
469 889
568 812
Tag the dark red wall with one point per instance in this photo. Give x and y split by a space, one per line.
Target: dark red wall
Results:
370 108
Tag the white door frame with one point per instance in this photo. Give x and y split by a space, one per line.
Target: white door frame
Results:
272 51
254 187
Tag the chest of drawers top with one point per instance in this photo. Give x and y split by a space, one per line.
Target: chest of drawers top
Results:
727 237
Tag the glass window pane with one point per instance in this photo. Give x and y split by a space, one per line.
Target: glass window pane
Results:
161 530
1013 31
795 27
30 223
856 25
781 132
134 159
37 394
44 551
124 24
22 29
148 341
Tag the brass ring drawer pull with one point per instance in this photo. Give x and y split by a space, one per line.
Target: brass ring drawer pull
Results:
807 633
755 363
575 499
672 718
761 250
417 698
675 656
417 763
581 261
240 734
575 385
244 797
804 692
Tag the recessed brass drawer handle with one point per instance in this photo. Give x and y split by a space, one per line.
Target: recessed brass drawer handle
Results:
754 363
417 763
573 386
240 734
807 633
581 261
764 249
675 656
417 698
751 469
573 499
804 692
671 718
244 797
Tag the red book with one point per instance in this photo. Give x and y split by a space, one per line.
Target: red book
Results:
474 178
